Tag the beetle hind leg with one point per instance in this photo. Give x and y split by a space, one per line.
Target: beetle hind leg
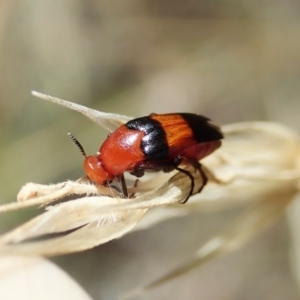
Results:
204 177
187 173
198 167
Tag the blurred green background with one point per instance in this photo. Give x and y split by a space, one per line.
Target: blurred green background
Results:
230 60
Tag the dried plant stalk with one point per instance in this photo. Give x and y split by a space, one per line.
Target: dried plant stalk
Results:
92 220
258 163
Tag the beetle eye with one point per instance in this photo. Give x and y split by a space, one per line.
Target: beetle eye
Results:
95 170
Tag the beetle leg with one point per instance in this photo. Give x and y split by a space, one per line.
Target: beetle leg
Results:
204 177
198 166
124 187
134 186
187 173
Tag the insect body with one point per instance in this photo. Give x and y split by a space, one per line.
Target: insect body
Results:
158 142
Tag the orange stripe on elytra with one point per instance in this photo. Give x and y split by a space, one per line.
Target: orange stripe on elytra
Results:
176 128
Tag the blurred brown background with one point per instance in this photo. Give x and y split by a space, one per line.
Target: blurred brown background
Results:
230 60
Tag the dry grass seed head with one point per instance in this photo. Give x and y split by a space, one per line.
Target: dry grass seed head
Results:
259 163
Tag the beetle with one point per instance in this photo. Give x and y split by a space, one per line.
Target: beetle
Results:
158 142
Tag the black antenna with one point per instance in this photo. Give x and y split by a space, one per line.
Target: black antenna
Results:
77 143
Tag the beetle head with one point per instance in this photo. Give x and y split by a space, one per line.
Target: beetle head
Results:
93 167
95 171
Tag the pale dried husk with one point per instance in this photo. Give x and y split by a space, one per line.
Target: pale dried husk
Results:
258 163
